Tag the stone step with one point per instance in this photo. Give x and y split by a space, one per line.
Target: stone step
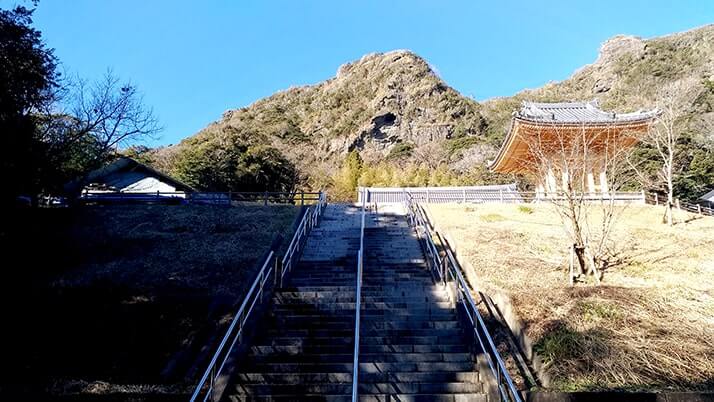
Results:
301 367
418 387
294 378
413 341
365 315
367 298
365 398
294 389
364 388
266 356
366 305
417 287
471 397
367 295
382 367
417 377
347 347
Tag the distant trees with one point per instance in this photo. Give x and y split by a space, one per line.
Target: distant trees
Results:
53 130
665 144
233 165
88 123
345 182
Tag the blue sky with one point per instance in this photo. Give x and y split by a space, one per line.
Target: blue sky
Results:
194 60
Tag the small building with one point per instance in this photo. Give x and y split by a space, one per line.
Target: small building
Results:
125 178
563 124
707 199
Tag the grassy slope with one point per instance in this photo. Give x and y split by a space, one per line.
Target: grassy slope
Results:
113 293
649 326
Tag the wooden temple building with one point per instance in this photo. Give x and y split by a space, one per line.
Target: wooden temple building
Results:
553 126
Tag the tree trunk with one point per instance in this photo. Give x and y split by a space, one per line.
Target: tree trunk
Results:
580 254
670 201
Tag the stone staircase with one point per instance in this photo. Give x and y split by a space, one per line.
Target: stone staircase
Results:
412 346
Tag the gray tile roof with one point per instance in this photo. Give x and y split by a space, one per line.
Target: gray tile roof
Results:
578 112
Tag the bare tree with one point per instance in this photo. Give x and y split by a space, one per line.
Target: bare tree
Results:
665 136
566 159
95 120
112 113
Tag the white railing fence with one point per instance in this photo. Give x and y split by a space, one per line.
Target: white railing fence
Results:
446 270
213 380
503 194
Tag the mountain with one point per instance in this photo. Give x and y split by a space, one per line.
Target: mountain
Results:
403 125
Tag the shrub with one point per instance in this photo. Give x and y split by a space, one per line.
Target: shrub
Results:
492 218
401 150
525 209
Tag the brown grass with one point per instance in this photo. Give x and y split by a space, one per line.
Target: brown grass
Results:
123 295
649 326
199 247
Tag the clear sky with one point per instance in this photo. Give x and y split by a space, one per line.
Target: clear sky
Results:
194 60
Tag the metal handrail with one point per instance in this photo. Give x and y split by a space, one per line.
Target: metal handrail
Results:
358 307
213 372
207 384
446 270
309 221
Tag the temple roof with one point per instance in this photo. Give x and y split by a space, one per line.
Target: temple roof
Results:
577 112
550 120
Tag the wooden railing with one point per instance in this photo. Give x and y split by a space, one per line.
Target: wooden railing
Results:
655 199
203 198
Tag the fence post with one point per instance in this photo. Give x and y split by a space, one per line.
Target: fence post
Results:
699 209
679 207
656 199
302 198
500 194
266 199
644 197
427 195
464 195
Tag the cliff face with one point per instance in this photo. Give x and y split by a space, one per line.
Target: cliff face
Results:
393 103
371 105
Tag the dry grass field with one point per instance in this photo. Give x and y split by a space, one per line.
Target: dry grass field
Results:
123 298
650 325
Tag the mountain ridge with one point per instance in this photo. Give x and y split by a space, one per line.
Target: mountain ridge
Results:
396 113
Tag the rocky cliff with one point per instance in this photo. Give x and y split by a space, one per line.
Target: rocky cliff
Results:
393 107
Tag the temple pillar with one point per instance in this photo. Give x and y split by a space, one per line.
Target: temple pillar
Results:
603 183
550 183
565 178
591 183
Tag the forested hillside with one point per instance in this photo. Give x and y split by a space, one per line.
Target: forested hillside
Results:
388 119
